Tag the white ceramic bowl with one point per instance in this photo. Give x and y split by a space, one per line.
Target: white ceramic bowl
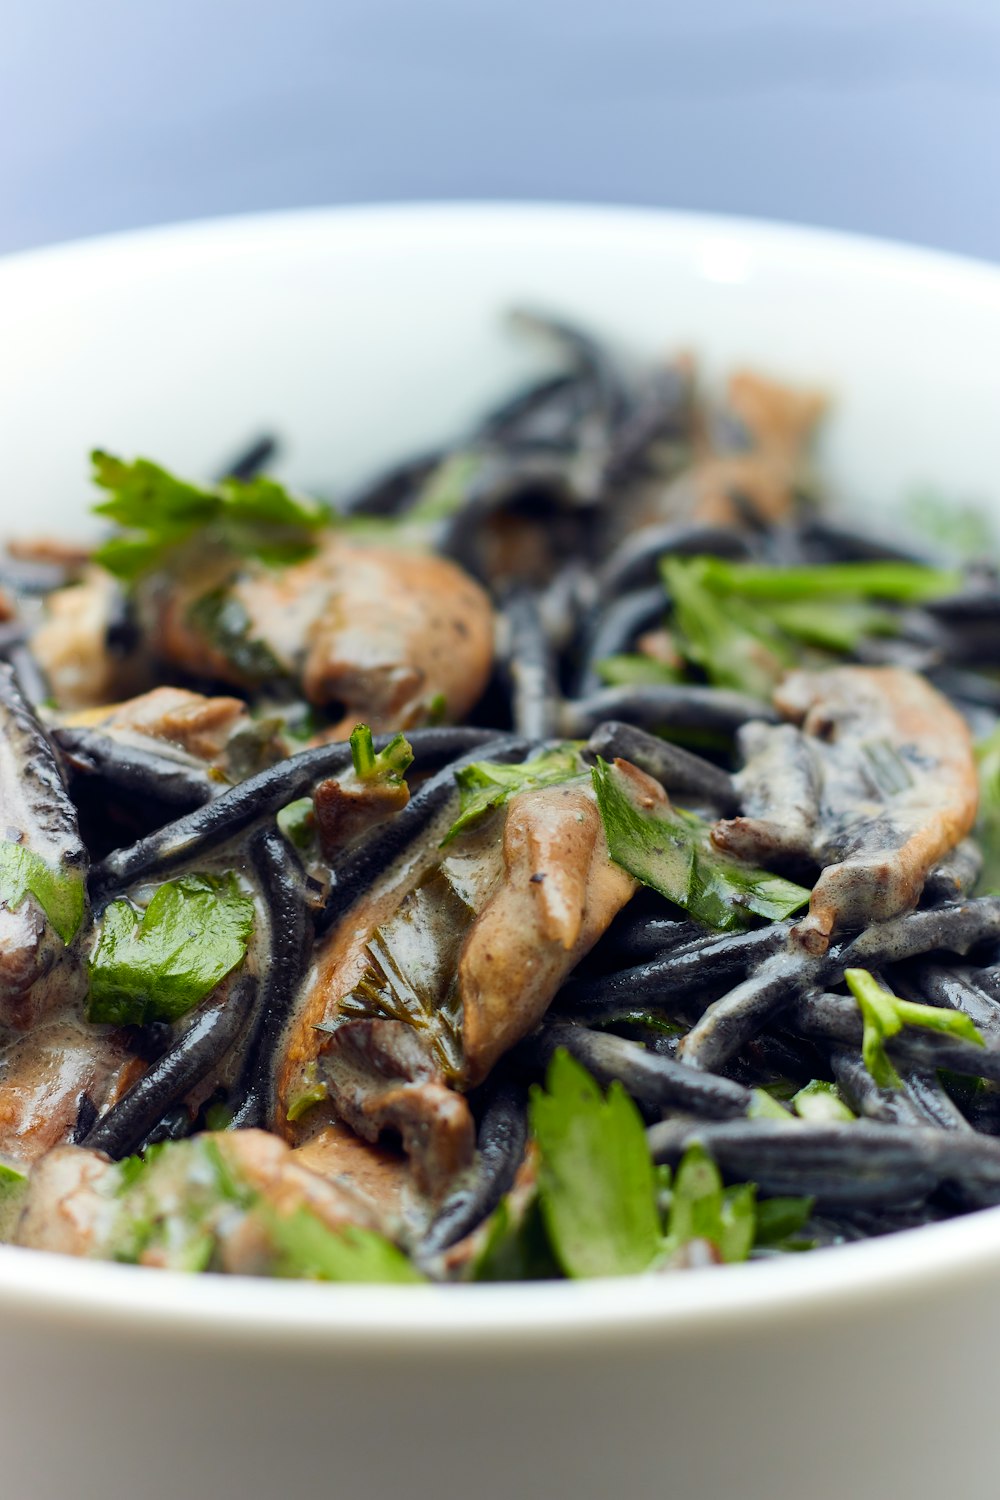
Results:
864 1372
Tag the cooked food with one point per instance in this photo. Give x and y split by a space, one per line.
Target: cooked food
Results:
574 854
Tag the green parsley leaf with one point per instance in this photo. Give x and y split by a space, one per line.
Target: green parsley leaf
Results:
13 1186
516 1246
744 624
60 893
821 1102
780 1220
635 671
445 490
702 1209
764 1106
157 965
388 765
901 582
158 512
671 851
297 822
734 645
306 1248
487 785
596 1179
884 1015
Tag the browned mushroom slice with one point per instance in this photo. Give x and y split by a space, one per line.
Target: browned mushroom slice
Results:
379 1178
719 489
558 894
270 1169
53 1077
391 636
778 418
71 644
428 981
219 731
895 790
346 807
382 1076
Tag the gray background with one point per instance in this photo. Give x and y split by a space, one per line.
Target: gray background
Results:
882 116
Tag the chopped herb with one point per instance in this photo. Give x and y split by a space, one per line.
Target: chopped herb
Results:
388 765
901 582
157 964
445 490
487 785
671 851
734 645
702 1209
158 512
301 1103
13 1186
596 1180
884 1015
60 893
821 1102
516 1246
306 1248
744 624
412 968
222 619
218 1116
636 671
780 1221
297 822
764 1106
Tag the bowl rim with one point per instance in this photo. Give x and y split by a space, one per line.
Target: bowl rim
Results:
371 1319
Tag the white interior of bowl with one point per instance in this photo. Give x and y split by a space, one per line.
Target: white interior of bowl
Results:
360 335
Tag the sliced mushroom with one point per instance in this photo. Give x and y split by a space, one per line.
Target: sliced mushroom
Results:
71 644
875 785
777 423
53 1078
394 637
444 966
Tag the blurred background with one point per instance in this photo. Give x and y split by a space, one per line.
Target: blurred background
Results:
873 115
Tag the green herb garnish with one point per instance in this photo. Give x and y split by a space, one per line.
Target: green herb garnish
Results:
700 1208
671 851
157 512
306 1248
60 893
388 765
821 1102
597 1184
157 964
487 785
745 624
884 1015
635 671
